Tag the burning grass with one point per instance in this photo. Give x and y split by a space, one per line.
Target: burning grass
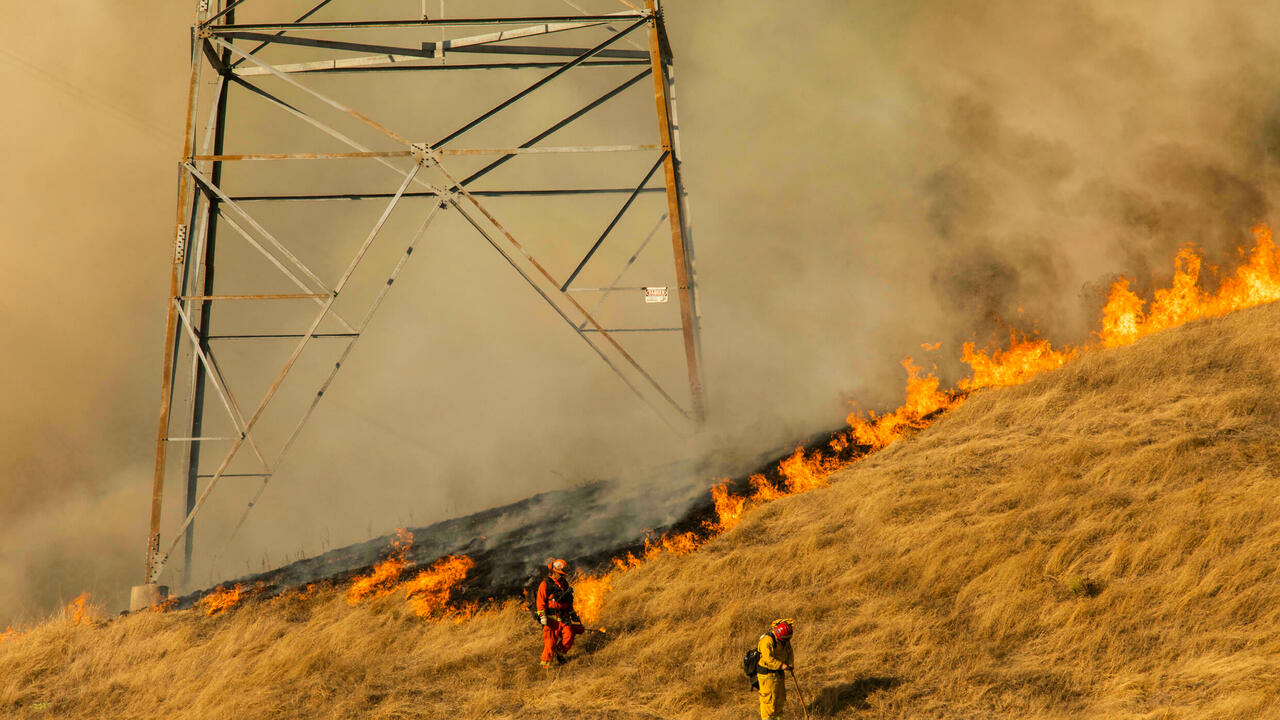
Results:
385 576
222 599
1125 319
428 593
1099 542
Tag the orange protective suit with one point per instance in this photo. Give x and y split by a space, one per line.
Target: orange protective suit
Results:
560 622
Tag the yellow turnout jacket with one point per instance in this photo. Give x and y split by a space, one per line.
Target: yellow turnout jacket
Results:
773 653
773 688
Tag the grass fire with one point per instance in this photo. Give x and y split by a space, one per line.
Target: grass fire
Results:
1017 525
364 360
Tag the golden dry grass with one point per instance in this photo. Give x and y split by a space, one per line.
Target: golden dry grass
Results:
1103 541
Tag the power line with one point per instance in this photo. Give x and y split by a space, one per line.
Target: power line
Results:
87 96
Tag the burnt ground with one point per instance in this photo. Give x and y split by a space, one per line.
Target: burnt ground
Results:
587 525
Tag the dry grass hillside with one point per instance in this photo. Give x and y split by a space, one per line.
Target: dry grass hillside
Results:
1101 542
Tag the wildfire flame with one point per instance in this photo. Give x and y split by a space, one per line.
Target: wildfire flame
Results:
222 599
9 634
1256 281
1125 319
922 401
78 611
729 507
429 592
1025 358
588 595
385 575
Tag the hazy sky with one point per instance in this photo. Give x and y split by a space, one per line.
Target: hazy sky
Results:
864 176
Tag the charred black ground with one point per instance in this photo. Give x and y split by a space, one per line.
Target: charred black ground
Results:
589 525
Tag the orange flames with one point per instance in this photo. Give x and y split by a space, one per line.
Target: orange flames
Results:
1256 281
428 593
588 595
1025 358
922 401
729 507
386 574
1125 319
78 611
222 599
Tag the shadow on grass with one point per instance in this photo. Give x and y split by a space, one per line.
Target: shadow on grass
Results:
834 698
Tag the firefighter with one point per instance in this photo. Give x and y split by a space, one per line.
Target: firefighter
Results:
560 624
776 658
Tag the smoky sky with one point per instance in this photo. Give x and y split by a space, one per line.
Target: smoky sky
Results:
864 177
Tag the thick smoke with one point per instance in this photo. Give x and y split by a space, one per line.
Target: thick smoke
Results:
865 177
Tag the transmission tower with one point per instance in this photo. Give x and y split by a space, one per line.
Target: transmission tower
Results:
403 114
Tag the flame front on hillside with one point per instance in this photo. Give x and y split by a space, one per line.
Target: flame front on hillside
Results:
222 599
386 574
1125 319
428 593
1256 281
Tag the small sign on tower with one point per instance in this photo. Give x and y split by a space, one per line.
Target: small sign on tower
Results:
655 294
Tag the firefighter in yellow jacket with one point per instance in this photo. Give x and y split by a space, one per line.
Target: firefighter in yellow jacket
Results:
776 658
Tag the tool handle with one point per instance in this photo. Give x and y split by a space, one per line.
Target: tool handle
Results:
804 704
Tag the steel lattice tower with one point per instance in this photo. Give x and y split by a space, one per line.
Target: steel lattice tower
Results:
318 80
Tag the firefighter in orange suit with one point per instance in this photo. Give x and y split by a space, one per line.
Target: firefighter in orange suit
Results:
776 658
560 624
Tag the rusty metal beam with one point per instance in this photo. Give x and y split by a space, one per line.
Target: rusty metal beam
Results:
627 266
211 209
279 336
560 293
229 10
220 384
325 128
317 8
557 126
613 223
318 95
426 22
342 359
447 151
389 63
248 426
560 311
427 51
395 54
657 44
206 252
543 81
211 187
171 327
278 296
478 193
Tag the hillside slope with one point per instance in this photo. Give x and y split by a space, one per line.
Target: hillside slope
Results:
1102 541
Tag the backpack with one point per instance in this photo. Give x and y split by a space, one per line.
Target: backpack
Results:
531 591
751 666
